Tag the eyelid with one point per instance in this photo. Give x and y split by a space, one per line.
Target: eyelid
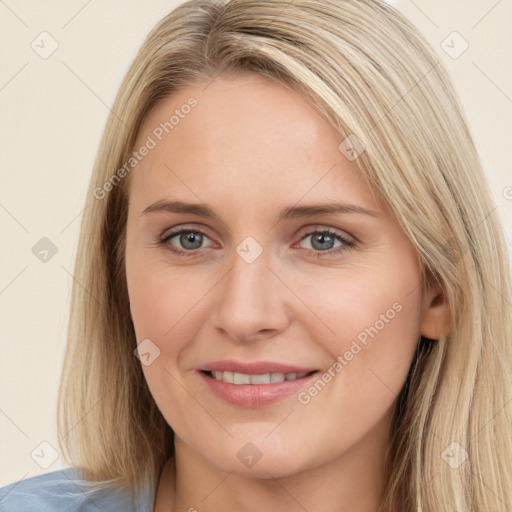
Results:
322 227
176 230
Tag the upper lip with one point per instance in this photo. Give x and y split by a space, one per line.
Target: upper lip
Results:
254 368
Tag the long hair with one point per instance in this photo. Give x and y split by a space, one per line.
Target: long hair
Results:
374 77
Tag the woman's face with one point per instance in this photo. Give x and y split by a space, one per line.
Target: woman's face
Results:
254 294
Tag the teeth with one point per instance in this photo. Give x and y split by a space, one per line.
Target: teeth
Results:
241 378
260 379
265 378
226 376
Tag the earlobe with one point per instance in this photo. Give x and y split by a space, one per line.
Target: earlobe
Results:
436 316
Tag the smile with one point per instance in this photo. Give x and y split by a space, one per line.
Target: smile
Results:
264 378
254 390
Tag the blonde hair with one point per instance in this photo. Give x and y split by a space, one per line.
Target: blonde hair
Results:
371 74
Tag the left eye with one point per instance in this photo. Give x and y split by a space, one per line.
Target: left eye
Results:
322 240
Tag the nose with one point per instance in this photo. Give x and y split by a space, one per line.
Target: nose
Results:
251 301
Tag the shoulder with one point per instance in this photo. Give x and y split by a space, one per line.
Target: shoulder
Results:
64 490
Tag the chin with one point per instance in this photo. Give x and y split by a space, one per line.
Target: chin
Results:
259 459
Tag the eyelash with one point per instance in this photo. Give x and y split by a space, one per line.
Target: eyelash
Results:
347 244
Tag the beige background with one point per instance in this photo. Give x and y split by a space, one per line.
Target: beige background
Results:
52 113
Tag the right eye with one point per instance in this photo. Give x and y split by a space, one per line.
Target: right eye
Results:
190 239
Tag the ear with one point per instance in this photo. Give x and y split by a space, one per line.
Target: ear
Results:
436 316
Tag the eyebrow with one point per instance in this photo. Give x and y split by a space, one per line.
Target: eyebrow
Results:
309 210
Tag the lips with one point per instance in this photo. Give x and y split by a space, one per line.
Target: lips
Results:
254 385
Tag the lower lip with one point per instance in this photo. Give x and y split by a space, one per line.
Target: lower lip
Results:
255 396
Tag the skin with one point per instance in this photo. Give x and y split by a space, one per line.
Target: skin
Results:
248 149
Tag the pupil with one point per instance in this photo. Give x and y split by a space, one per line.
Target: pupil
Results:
322 239
189 238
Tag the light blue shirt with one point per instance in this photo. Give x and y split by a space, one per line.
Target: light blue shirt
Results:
61 490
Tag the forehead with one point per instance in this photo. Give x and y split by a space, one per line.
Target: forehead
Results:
242 135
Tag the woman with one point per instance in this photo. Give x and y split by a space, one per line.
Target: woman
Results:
291 291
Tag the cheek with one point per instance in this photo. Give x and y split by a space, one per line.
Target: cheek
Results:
162 302
167 305
375 316
368 319
160 296
347 303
